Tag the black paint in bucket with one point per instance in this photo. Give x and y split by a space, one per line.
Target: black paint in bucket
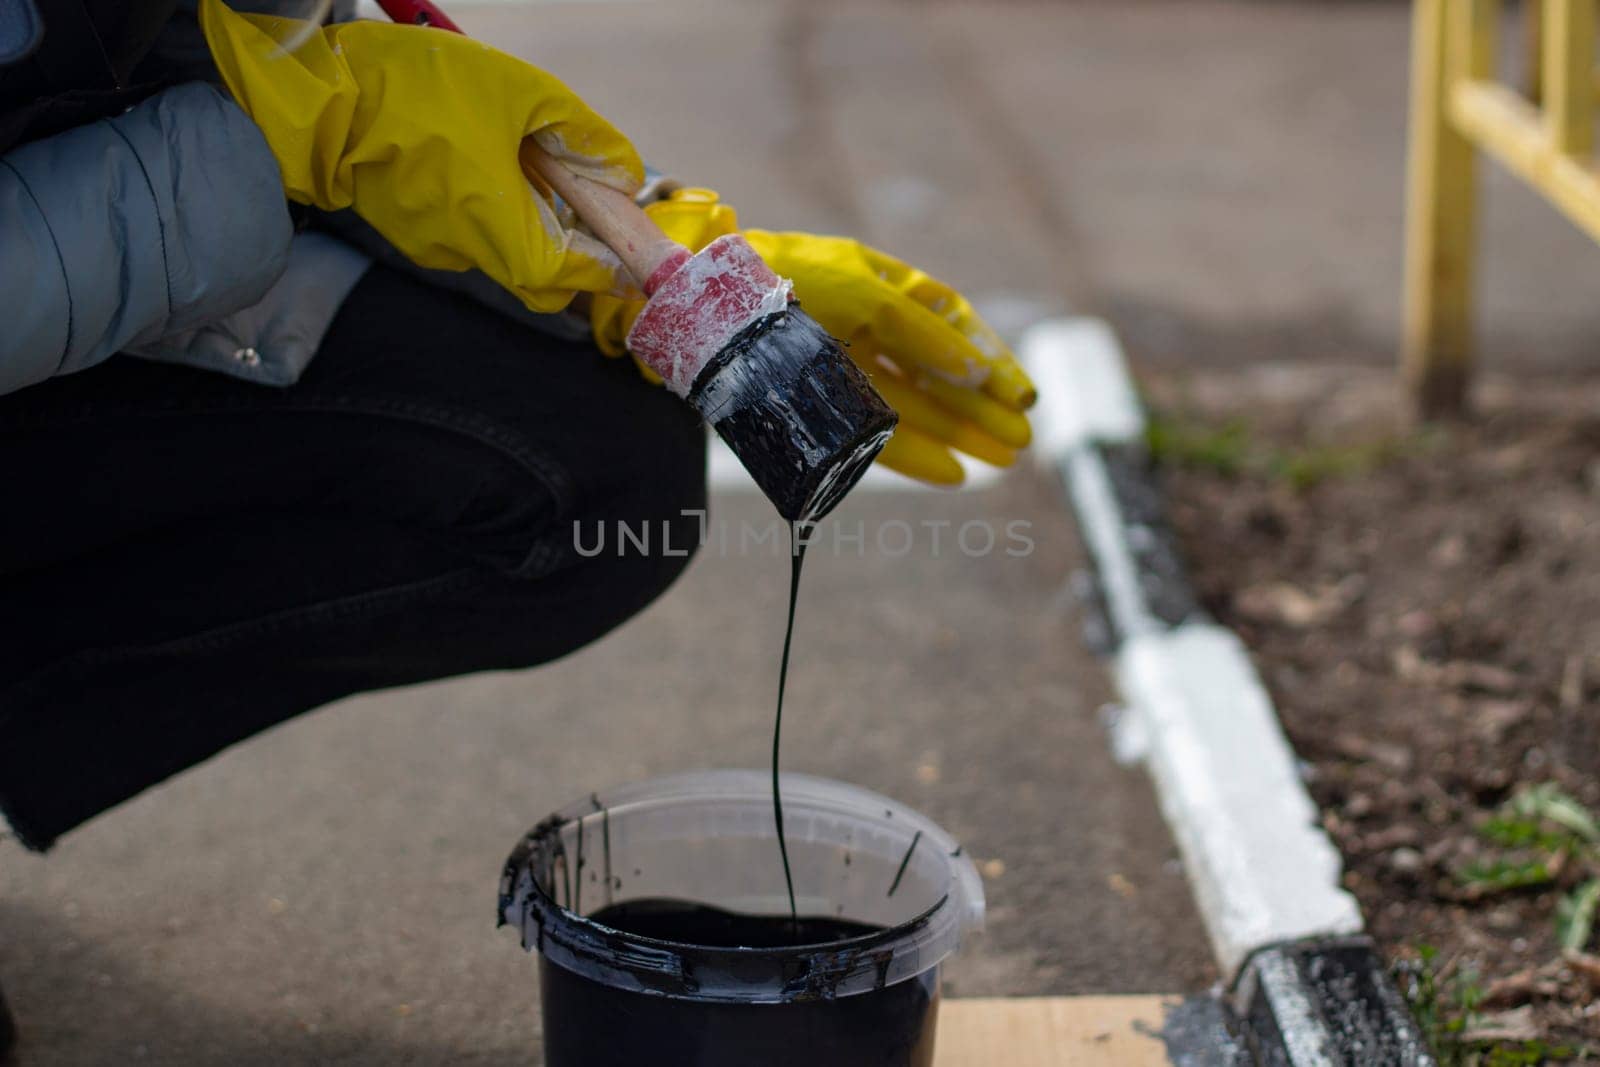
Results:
601 1025
669 940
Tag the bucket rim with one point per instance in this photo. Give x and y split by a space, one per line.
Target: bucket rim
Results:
716 973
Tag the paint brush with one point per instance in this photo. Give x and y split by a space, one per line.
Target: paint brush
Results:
726 334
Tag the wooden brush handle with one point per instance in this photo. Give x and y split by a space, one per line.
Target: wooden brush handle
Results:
620 224
613 216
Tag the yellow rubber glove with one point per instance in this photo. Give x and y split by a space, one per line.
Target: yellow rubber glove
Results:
950 377
417 130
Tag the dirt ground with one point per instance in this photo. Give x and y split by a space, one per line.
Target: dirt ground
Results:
1425 607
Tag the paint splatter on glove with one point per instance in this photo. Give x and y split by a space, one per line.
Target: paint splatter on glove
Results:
417 130
953 381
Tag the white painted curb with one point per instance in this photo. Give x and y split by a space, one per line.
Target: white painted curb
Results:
1262 870
1090 395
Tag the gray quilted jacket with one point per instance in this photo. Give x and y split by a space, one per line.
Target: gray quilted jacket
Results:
163 233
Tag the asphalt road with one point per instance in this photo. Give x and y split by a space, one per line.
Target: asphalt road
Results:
324 893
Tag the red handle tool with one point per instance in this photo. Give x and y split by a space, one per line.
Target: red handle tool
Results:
418 13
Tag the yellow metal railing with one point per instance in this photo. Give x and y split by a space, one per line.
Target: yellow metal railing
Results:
1458 107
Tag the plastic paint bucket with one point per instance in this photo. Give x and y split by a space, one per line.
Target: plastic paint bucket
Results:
896 886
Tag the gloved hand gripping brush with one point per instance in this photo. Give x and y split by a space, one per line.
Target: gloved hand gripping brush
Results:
955 385
725 333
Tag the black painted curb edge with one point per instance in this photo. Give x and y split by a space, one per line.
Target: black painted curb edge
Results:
1325 1002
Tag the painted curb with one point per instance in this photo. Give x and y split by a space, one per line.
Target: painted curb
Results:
1325 1003
1306 989
1263 871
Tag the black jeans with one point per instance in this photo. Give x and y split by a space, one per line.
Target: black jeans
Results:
186 559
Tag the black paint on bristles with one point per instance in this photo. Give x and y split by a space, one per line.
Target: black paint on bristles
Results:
802 418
